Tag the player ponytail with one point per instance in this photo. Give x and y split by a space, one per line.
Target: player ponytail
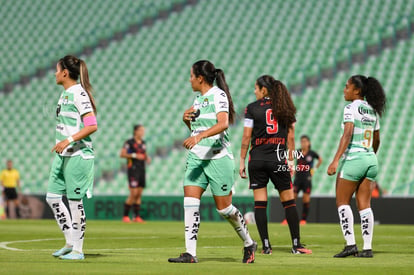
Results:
207 70
77 68
283 108
371 89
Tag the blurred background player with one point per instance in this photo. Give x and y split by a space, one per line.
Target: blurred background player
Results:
72 171
304 171
134 151
269 129
356 160
10 180
210 159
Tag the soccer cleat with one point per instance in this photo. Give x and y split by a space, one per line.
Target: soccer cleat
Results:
301 250
366 253
303 222
248 255
73 256
139 220
62 251
184 258
267 250
126 219
284 222
349 250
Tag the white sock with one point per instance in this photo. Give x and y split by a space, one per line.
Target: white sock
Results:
235 218
346 220
78 224
367 227
62 216
192 223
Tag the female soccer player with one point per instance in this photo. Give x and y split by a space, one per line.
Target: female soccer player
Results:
73 167
135 151
269 128
210 159
304 172
356 161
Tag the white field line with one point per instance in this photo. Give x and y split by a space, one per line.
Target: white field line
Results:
5 245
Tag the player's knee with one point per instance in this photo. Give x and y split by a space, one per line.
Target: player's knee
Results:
289 204
226 212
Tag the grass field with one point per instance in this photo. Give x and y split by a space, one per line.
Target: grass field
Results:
114 247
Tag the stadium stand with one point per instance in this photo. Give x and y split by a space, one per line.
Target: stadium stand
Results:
143 78
35 32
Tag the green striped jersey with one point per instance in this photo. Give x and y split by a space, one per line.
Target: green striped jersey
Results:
365 121
209 105
73 103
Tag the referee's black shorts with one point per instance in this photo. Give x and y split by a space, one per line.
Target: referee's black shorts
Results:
260 172
10 193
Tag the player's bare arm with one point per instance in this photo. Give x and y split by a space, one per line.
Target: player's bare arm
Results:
83 133
247 135
343 144
221 125
319 162
188 116
291 141
376 142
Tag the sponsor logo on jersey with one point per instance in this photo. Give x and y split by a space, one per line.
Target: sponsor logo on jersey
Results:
365 111
367 120
86 104
348 117
223 104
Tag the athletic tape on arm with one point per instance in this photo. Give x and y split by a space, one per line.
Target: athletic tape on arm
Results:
89 120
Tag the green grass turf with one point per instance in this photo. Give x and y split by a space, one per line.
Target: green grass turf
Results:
114 247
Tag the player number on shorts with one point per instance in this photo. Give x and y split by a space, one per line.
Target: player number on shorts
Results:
367 139
272 126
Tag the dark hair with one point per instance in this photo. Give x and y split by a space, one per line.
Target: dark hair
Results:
207 70
283 108
307 138
77 68
372 90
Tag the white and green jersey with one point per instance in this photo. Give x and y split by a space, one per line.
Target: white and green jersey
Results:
73 103
208 106
365 121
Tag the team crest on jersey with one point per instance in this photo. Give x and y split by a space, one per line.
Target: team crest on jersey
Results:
65 100
205 103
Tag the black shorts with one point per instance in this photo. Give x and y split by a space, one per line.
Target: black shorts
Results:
10 193
304 184
261 171
136 178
